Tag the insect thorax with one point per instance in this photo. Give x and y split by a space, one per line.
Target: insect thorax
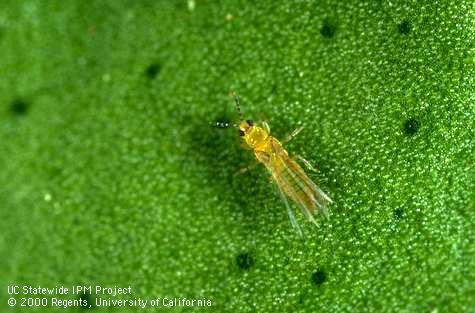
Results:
256 136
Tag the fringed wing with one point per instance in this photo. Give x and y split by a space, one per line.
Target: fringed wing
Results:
294 182
290 212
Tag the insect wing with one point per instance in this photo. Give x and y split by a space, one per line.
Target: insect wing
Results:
311 197
295 183
290 211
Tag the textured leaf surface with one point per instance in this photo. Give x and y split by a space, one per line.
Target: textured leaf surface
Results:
112 174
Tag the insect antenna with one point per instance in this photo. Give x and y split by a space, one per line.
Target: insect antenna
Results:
225 125
222 124
238 105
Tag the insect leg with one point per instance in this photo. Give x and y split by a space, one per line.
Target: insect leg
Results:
293 134
246 169
245 146
266 126
307 164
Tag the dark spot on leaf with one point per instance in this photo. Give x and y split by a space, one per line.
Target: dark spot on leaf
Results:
411 126
319 277
244 260
398 214
19 107
328 30
404 27
153 70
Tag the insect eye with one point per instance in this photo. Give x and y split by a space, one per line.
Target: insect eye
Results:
250 122
241 133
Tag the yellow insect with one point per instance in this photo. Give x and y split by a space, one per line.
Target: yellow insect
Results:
289 177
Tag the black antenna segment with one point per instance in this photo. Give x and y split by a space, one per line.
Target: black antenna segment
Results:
238 105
